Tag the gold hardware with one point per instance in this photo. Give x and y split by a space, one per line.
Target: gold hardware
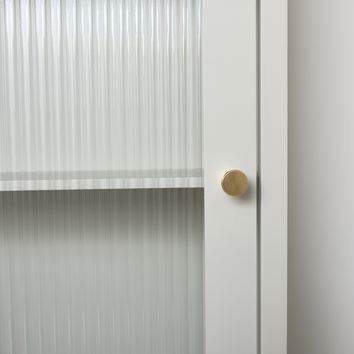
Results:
234 183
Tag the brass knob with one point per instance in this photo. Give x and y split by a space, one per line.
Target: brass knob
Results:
234 183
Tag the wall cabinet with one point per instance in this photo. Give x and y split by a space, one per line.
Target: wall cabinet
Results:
118 120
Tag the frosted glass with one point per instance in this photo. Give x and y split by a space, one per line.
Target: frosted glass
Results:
89 272
100 94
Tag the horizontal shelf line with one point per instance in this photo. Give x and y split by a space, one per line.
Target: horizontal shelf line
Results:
101 183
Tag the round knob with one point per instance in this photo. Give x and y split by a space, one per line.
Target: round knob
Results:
234 183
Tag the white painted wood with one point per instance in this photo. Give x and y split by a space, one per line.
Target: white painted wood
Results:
273 177
230 119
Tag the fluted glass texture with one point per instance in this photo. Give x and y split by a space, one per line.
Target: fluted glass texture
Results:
100 94
101 272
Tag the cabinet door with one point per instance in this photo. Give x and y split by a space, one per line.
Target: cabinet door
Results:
230 118
118 120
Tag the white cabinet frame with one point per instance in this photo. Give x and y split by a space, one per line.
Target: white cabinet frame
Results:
273 176
231 321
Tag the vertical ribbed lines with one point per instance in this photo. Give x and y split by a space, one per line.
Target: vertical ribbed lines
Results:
87 272
101 94
100 87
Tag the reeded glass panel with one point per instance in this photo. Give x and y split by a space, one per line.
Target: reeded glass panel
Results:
99 94
90 272
101 205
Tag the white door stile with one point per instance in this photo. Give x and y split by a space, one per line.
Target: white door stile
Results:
230 142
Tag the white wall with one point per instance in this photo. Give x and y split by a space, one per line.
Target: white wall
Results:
321 177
